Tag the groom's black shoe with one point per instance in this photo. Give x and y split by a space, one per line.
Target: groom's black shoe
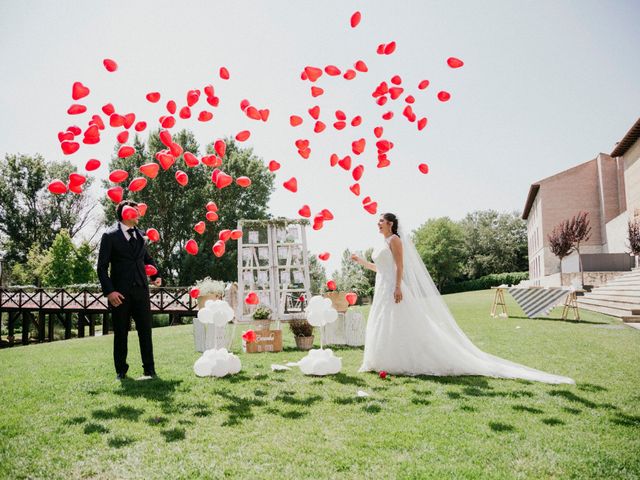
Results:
121 376
151 374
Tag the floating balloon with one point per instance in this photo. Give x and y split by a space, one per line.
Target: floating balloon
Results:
324 256
205 116
191 247
331 285
352 298
123 137
345 163
332 70
212 207
110 65
69 148
424 168
92 165
79 91
326 214
313 73
305 211
76 109
244 182
273 166
77 189
224 73
318 222
142 209
454 62
129 213
137 184
320 311
388 115
185 112
252 299
410 99
199 227
190 159
372 208
192 97
153 97
182 178
355 189
150 270
129 118
57 187
115 194
125 151
223 180
390 48
167 121
224 235
118 176
395 92
319 127
357 172
165 159
444 96
194 293
220 147
381 100
361 66
175 149
423 84
218 248
316 91
171 107
349 74
355 19
314 112
236 234
291 184
140 126
295 120
334 159
153 235
339 125
358 146
208 90
116 120
62 136
243 135
108 109
211 216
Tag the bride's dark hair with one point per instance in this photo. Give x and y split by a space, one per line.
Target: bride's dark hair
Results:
390 217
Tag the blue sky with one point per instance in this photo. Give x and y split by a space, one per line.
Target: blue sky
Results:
546 85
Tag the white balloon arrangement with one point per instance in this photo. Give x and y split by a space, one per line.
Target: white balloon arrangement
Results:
321 361
216 362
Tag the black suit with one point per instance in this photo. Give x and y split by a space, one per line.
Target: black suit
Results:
127 260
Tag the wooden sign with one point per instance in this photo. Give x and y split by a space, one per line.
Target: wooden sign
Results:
266 341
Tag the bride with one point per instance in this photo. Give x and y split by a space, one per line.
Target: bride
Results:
410 330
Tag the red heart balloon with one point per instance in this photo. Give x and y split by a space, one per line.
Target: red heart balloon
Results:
97 121
244 182
76 109
213 101
291 184
410 99
220 147
314 112
122 137
387 116
118 176
295 120
361 66
423 84
357 172
129 213
224 73
69 148
219 248
381 100
345 163
351 298
313 73
125 151
252 299
153 97
223 180
108 109
454 62
331 285
383 146
378 131
175 149
243 135
395 92
137 184
171 107
140 126
372 208
115 194
332 70
389 48
62 136
224 235
192 97
208 90
334 159
110 65
383 161
319 127
191 247
422 123
167 121
305 211
355 19
150 270
358 146
444 96
190 159
165 159
142 209
194 293
339 125
318 222
182 178
316 91
273 166
185 112
349 74
92 165
252 112
77 189
199 227
366 200
57 187
153 235
212 207
326 214
79 91
355 188
116 120
129 118
205 116
211 216
424 168
324 256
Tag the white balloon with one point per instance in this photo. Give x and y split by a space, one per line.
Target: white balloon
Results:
330 315
320 363
202 367
205 315
208 304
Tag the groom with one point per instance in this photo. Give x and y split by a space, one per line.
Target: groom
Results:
125 285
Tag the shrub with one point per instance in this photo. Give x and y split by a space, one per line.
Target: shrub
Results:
301 328
488 281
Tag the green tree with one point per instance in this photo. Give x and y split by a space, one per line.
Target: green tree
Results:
32 271
84 264
174 210
440 243
29 214
61 267
352 277
317 274
494 243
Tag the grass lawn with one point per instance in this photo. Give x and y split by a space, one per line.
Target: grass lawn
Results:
65 416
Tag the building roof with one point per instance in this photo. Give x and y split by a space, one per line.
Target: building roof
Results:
627 141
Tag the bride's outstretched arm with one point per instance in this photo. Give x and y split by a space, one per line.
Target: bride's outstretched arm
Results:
364 263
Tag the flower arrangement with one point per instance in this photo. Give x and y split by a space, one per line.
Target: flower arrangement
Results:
262 313
301 328
207 286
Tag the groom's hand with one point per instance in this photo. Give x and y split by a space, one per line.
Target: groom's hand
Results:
115 298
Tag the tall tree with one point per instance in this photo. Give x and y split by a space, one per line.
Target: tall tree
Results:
440 243
29 214
173 210
494 243
317 274
60 269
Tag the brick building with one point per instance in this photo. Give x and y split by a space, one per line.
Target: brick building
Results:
608 188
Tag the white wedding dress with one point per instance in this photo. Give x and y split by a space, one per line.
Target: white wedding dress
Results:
419 336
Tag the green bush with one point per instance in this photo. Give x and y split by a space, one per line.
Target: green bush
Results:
488 281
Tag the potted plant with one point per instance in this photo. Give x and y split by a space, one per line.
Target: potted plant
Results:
303 333
209 290
262 317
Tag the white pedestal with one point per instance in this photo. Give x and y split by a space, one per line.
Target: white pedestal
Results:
205 336
348 329
334 333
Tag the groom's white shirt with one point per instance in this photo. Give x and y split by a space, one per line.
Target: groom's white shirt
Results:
124 229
